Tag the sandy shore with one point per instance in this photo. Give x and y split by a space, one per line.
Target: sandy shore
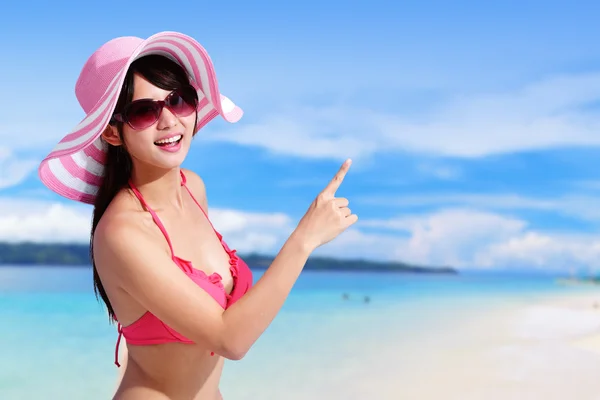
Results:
547 349
589 343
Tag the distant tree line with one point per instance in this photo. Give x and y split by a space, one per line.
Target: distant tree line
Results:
58 254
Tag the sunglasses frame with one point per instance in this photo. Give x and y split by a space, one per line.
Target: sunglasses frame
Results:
122 116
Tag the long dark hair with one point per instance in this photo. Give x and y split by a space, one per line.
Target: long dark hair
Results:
165 74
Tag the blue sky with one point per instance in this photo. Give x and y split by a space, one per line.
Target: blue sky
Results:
474 127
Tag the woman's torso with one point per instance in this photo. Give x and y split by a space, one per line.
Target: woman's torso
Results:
175 369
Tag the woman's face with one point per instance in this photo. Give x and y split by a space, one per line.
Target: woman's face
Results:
163 144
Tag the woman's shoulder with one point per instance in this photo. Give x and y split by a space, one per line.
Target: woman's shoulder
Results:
123 217
196 185
126 242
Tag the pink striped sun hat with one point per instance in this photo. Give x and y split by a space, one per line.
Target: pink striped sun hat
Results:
75 167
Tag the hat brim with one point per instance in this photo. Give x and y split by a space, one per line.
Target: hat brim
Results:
75 167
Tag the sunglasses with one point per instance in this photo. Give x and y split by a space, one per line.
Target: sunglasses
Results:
143 113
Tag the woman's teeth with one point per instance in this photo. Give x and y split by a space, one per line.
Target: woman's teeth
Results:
171 140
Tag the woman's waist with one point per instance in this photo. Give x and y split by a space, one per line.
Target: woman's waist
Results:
173 369
140 392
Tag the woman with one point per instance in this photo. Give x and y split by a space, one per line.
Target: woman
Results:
182 299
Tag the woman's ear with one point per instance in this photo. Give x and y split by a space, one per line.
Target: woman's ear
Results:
111 136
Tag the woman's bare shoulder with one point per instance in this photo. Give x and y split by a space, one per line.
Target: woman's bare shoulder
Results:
123 218
196 185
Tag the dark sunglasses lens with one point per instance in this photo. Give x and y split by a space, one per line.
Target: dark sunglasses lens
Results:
181 103
142 114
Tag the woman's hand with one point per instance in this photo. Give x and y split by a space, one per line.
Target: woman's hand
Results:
327 216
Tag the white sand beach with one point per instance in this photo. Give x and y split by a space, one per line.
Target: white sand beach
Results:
546 349
549 350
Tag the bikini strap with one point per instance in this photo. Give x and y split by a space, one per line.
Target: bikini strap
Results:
157 220
183 183
233 258
120 329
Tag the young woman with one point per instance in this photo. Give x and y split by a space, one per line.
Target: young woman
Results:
181 298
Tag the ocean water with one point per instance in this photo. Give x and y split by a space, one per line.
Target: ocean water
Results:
56 343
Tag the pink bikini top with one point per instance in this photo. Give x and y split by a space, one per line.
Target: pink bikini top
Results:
148 329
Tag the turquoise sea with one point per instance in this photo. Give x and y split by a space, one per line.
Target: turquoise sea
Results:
56 342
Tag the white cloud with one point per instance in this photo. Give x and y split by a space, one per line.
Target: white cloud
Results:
252 232
545 114
447 237
584 207
310 132
439 171
535 249
14 170
356 244
496 200
40 221
468 238
23 132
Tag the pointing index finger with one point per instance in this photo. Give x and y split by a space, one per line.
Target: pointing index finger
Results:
337 180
